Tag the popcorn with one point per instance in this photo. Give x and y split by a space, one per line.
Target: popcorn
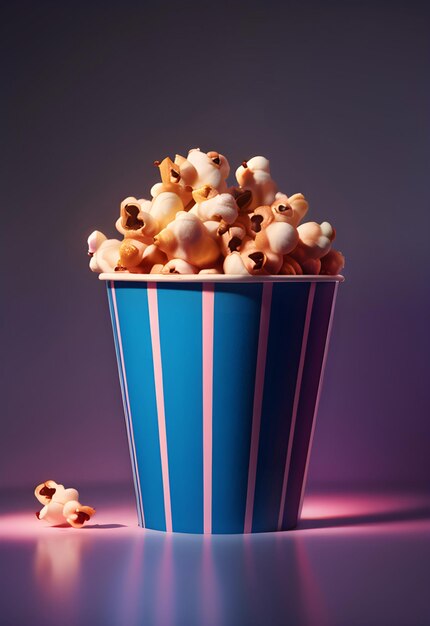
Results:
292 209
61 505
210 168
332 263
172 180
254 175
221 207
314 243
232 239
164 208
103 252
234 264
194 224
135 220
291 267
187 238
179 266
252 260
278 237
137 257
316 238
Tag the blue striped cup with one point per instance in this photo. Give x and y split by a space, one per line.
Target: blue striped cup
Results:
220 379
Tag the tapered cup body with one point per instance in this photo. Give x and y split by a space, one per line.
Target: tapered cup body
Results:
220 380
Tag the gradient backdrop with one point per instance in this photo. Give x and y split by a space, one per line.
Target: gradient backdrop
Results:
336 94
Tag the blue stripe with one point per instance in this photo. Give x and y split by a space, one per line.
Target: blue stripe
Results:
311 376
132 302
124 402
289 304
237 320
180 317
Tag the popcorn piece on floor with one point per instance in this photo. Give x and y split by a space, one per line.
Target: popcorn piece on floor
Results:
61 505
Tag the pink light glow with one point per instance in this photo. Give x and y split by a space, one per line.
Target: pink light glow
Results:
344 506
321 512
155 577
364 513
112 520
314 602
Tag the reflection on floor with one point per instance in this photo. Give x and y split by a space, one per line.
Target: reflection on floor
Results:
354 559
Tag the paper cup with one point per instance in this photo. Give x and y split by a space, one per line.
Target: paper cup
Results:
220 379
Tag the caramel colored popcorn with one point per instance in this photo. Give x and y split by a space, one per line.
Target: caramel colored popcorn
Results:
194 223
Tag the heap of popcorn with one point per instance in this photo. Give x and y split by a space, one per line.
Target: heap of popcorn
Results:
196 224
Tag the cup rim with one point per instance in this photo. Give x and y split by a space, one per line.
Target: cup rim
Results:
217 278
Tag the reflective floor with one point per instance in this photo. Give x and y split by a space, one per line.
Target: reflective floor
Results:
357 559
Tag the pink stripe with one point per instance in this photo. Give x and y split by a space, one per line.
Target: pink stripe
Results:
266 302
207 340
159 395
128 422
296 401
330 325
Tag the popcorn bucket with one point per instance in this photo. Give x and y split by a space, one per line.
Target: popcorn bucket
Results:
220 379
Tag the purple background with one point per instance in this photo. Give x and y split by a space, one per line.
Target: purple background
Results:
336 94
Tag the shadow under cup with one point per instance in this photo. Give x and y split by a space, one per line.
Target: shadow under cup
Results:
220 379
